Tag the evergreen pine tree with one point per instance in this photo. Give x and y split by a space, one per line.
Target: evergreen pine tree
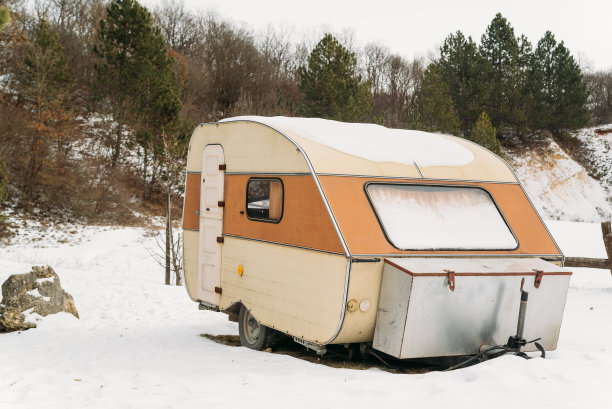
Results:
138 79
559 90
126 42
5 17
463 70
500 48
331 86
45 85
45 78
483 133
159 104
570 92
522 98
434 109
542 84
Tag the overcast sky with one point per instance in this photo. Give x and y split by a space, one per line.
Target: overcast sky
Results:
413 28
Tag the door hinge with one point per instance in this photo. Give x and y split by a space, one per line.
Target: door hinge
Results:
220 239
218 290
221 203
223 166
451 279
197 212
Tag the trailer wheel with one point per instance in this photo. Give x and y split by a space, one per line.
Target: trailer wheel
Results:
252 334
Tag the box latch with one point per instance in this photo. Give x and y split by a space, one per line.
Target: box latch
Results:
451 279
538 278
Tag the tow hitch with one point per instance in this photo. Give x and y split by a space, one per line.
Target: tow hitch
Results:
515 342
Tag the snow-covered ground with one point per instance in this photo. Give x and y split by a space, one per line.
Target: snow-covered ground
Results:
137 344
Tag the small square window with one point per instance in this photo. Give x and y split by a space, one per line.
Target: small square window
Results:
265 199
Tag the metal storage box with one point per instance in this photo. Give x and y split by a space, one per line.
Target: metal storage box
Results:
449 306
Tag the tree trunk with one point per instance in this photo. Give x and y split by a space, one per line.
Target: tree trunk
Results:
606 232
145 162
117 146
168 236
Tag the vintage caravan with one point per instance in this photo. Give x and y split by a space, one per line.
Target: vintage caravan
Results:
414 244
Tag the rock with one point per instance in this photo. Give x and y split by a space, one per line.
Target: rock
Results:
38 291
13 320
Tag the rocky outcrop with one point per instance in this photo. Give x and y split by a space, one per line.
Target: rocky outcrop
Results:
37 292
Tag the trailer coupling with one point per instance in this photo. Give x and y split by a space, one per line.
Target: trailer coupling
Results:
515 343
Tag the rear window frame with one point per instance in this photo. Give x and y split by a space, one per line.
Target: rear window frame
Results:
246 200
382 226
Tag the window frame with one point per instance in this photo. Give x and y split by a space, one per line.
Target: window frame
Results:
246 200
382 227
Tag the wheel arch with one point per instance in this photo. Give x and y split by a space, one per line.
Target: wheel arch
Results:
233 310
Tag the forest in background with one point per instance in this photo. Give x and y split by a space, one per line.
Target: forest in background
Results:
98 98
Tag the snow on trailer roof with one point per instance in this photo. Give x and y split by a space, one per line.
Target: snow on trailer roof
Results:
372 150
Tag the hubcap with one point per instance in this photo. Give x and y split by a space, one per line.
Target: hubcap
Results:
251 328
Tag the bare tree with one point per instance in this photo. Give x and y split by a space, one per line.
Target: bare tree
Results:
375 57
394 83
181 28
169 255
403 78
171 161
275 46
600 96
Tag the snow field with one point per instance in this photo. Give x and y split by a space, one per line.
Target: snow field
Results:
137 344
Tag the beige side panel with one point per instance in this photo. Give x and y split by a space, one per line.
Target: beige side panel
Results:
248 147
364 287
485 166
296 291
190 262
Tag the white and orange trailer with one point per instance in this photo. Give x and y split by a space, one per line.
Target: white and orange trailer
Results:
413 243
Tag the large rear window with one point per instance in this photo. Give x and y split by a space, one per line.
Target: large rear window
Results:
440 218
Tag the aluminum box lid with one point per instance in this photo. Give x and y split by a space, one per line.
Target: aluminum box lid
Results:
475 266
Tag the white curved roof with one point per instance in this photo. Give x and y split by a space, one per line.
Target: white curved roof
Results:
366 149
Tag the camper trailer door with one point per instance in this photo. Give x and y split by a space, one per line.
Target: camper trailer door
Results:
211 223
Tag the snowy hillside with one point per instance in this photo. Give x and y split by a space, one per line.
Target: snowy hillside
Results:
598 151
562 188
138 344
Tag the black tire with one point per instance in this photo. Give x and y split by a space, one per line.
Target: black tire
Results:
252 334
